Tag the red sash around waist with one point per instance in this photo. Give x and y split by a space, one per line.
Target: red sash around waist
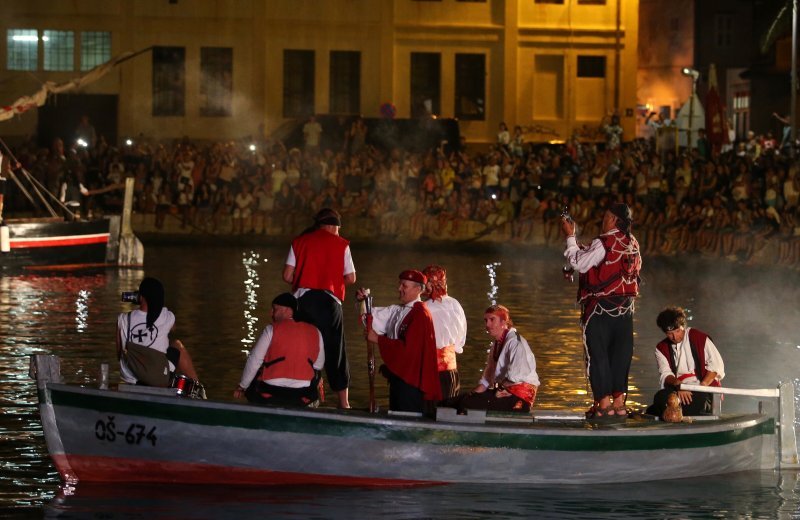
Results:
446 358
525 391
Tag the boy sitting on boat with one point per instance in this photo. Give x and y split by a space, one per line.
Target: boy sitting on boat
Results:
686 355
284 366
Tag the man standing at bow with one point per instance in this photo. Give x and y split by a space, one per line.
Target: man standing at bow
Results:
407 341
318 267
608 283
450 325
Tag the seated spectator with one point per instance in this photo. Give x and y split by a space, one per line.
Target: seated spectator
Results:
509 381
285 364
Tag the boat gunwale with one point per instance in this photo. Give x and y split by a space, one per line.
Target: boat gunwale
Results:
725 423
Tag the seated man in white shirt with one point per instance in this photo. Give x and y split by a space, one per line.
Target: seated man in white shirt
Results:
284 366
686 355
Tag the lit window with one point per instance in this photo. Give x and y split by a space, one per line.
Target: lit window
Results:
23 49
95 48
59 50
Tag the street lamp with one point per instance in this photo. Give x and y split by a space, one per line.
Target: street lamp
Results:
694 74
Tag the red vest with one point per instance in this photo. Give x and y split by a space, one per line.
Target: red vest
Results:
697 341
617 274
319 262
292 351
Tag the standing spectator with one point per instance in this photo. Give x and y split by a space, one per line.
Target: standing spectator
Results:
243 209
312 132
613 133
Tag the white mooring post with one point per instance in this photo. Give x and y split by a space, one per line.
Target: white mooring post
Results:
787 417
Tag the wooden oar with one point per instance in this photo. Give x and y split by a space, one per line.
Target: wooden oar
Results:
373 406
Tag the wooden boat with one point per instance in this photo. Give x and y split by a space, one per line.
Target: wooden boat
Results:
54 243
148 435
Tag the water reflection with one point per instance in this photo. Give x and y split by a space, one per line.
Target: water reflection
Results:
744 495
754 320
491 269
250 262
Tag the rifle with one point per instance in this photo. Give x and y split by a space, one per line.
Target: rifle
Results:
373 406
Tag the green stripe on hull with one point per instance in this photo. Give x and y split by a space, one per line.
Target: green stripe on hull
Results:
509 437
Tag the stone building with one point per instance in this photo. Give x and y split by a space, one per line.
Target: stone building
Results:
219 69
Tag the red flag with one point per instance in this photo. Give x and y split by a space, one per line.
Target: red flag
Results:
716 126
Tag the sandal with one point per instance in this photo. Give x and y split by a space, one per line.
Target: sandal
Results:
620 411
596 413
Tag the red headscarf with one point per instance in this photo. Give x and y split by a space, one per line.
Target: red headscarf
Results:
437 277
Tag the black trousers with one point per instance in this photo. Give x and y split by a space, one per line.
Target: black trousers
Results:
609 340
402 396
701 403
321 310
260 392
450 383
489 400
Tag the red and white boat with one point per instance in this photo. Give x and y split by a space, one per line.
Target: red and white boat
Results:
53 243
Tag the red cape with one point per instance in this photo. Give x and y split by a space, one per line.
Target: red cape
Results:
412 357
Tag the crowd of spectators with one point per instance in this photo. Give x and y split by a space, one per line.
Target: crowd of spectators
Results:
736 203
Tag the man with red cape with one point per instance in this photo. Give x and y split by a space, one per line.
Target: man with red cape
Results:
407 341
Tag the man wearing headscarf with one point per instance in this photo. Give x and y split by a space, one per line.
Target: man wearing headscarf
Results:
407 341
608 283
283 367
150 326
450 325
318 267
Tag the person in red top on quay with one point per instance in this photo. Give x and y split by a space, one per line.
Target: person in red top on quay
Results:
318 267
285 363
407 341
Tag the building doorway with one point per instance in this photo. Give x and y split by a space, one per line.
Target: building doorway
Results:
62 113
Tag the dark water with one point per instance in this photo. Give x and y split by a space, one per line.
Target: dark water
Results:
221 297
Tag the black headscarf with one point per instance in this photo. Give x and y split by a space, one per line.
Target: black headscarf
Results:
324 217
153 292
624 216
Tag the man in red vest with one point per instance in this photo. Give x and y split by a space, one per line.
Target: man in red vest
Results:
318 267
407 341
284 366
608 283
686 355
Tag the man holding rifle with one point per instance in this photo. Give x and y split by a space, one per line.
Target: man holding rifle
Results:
407 341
